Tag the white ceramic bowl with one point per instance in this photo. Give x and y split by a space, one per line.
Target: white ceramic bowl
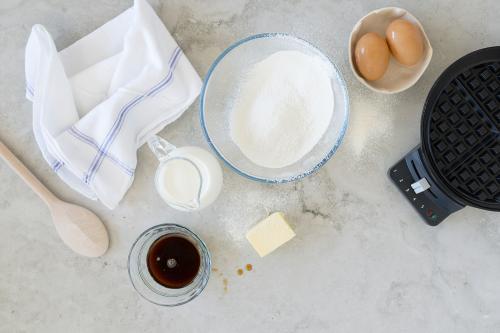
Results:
397 78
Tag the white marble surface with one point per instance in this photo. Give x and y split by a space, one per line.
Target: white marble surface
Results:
362 260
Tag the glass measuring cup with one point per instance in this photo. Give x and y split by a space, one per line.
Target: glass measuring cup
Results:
188 178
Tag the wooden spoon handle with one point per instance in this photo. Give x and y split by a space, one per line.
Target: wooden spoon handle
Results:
48 197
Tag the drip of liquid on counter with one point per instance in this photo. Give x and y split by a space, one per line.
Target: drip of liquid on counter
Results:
173 261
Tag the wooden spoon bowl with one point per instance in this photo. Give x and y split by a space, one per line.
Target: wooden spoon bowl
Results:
79 228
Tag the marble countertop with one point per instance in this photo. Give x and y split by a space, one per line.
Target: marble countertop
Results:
362 261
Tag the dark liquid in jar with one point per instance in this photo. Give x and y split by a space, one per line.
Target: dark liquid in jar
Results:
173 261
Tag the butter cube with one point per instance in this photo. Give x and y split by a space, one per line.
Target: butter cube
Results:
269 234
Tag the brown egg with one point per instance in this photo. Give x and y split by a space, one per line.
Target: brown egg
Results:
372 56
405 41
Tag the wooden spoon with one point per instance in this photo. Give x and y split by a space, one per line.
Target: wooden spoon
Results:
79 228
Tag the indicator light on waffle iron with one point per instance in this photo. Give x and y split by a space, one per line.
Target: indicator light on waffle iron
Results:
430 212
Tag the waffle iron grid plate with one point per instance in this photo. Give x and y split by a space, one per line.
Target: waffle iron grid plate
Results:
461 130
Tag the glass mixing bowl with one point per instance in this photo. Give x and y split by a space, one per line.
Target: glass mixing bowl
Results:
221 86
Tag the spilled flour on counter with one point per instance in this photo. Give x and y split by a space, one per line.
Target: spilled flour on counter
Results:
368 125
284 107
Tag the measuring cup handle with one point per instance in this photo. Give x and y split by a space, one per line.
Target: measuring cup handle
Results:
160 147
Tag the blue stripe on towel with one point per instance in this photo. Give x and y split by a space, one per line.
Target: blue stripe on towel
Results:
30 89
96 163
154 91
57 165
91 142
171 61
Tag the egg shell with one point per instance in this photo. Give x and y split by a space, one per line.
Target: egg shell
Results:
405 42
372 56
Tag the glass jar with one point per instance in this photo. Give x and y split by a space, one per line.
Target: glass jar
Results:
147 286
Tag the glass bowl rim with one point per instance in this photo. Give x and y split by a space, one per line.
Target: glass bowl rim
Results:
309 171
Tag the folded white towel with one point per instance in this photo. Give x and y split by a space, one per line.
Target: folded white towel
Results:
97 101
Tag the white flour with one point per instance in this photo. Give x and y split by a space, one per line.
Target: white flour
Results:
370 124
283 109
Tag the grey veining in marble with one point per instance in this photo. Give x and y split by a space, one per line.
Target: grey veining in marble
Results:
362 260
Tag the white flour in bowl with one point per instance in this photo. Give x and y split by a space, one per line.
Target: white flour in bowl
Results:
284 107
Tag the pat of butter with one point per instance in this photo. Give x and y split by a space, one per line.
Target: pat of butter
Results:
269 234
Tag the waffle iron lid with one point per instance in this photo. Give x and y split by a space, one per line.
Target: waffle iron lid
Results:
461 130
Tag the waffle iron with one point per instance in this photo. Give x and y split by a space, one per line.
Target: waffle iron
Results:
457 163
